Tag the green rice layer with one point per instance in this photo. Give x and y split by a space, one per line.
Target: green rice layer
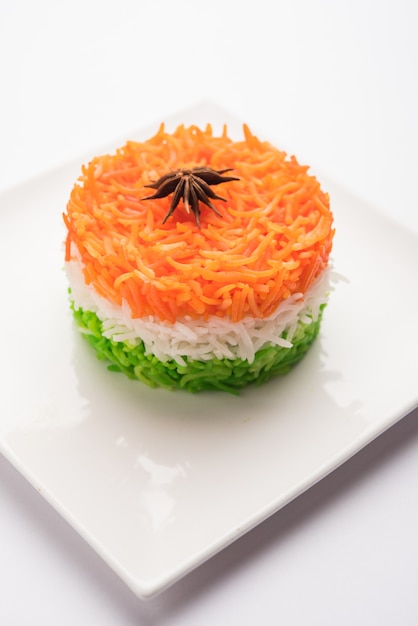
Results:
217 374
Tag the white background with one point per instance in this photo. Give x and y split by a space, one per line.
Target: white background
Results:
338 81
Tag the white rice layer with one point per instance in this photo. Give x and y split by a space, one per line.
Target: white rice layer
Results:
200 339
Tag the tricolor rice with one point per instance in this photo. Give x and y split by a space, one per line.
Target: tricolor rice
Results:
250 281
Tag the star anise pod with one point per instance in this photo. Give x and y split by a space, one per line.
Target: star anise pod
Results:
193 185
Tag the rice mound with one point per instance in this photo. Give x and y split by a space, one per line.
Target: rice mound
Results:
234 299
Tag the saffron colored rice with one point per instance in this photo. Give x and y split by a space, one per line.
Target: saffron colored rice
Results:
236 301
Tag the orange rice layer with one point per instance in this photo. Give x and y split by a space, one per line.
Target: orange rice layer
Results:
272 240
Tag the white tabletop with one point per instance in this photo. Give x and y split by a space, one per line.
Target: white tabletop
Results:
338 82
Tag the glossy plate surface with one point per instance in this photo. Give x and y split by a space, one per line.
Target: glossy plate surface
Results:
155 481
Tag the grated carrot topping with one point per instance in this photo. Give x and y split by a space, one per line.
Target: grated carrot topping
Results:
273 239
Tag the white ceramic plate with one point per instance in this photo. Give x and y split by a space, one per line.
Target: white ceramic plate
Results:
155 481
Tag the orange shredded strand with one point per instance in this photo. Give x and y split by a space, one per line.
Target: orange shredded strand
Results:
273 239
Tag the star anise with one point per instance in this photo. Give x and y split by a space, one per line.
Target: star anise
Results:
193 185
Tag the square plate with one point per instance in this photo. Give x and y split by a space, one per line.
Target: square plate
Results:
158 482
